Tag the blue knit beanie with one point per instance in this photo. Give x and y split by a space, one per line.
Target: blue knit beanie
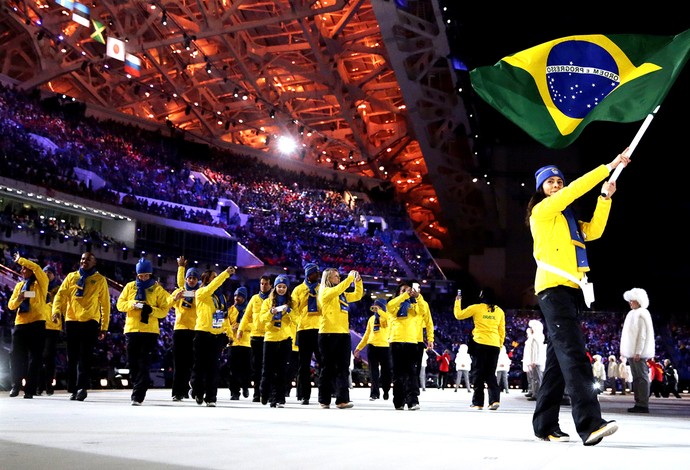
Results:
281 279
192 272
546 172
381 303
144 266
310 268
50 269
242 291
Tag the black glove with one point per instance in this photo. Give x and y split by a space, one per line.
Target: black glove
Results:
145 312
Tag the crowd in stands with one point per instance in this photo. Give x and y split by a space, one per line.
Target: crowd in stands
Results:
49 141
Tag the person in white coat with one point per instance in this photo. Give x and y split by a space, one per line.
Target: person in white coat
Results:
612 371
599 372
534 357
637 345
502 370
422 370
463 366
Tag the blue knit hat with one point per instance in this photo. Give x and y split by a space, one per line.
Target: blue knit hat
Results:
242 291
546 172
310 268
381 303
144 266
192 272
281 279
50 269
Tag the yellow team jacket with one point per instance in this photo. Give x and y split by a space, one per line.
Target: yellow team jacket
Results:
93 305
426 322
37 304
50 324
251 321
233 313
489 327
333 318
275 333
375 338
156 297
404 329
552 242
185 317
205 309
300 298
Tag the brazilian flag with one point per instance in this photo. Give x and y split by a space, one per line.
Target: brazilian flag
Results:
553 90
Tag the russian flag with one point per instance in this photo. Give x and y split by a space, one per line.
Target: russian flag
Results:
81 14
132 65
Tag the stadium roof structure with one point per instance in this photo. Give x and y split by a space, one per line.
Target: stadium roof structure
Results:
363 86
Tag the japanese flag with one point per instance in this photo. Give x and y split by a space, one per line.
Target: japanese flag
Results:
115 49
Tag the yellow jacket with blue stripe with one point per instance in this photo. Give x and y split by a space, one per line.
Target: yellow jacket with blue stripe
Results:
300 301
233 314
156 297
207 317
37 304
334 318
553 244
426 322
275 330
252 318
93 305
375 337
404 329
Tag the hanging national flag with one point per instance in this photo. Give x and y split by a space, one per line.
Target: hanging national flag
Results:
132 65
553 90
115 48
81 14
98 30
69 4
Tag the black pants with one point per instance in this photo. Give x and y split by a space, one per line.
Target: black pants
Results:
207 350
140 347
26 357
257 345
81 341
183 359
335 351
240 369
308 342
405 376
567 366
379 369
484 360
46 375
275 370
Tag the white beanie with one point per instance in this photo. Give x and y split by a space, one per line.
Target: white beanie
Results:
637 294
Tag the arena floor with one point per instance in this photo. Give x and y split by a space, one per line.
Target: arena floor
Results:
105 432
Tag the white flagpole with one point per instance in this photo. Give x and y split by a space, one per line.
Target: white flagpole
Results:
633 144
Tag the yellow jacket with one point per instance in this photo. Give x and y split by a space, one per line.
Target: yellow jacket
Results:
93 305
156 297
37 304
185 316
375 337
552 241
426 322
50 324
489 327
404 329
273 332
300 297
207 319
233 314
252 318
333 318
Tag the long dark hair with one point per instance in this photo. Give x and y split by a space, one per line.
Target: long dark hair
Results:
536 198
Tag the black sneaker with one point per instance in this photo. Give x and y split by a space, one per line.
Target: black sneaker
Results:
81 395
555 436
604 430
385 395
14 392
638 409
245 392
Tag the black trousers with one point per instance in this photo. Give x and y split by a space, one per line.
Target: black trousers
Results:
183 360
207 350
240 368
335 368
567 366
257 345
275 370
140 347
81 342
379 369
26 357
484 360
46 375
405 374
308 342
